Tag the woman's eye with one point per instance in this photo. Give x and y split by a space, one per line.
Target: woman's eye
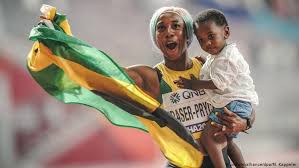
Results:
160 27
176 26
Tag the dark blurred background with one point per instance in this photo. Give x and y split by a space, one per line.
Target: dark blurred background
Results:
36 131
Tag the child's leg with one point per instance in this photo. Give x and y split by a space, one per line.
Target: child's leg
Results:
235 154
214 145
242 109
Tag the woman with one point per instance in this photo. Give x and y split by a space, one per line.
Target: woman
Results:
171 32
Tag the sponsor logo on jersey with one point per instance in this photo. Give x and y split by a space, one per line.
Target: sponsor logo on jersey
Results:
190 107
175 98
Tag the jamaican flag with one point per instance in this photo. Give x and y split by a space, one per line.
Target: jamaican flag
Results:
76 73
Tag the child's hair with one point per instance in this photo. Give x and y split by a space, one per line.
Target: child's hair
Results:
211 14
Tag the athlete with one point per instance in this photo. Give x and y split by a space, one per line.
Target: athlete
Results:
171 32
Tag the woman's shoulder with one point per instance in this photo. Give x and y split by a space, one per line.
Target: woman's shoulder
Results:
145 77
159 65
144 70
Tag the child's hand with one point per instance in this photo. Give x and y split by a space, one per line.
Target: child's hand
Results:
186 83
183 83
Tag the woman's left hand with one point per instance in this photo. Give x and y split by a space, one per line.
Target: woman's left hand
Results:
232 123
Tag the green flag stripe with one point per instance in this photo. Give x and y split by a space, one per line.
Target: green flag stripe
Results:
43 32
57 84
59 18
71 49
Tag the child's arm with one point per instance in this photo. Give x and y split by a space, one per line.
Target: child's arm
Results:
194 83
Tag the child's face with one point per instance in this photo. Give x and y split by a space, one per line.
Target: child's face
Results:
211 37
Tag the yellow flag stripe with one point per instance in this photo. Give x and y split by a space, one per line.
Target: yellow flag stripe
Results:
175 149
66 27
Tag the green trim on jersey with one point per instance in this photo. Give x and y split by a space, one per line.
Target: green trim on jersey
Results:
164 88
168 76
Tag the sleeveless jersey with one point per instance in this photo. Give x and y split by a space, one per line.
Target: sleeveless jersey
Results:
190 107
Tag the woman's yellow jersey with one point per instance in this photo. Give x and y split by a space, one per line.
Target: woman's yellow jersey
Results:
190 107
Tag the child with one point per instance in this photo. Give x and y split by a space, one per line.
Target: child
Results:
225 77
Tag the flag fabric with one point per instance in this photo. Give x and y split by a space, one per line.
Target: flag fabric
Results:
76 73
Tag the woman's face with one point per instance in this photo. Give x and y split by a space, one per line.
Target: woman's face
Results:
171 36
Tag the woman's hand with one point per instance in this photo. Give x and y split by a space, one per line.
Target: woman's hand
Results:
48 13
232 123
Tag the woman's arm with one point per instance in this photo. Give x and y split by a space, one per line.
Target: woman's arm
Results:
232 123
146 78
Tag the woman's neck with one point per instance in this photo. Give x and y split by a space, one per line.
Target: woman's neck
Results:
181 64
